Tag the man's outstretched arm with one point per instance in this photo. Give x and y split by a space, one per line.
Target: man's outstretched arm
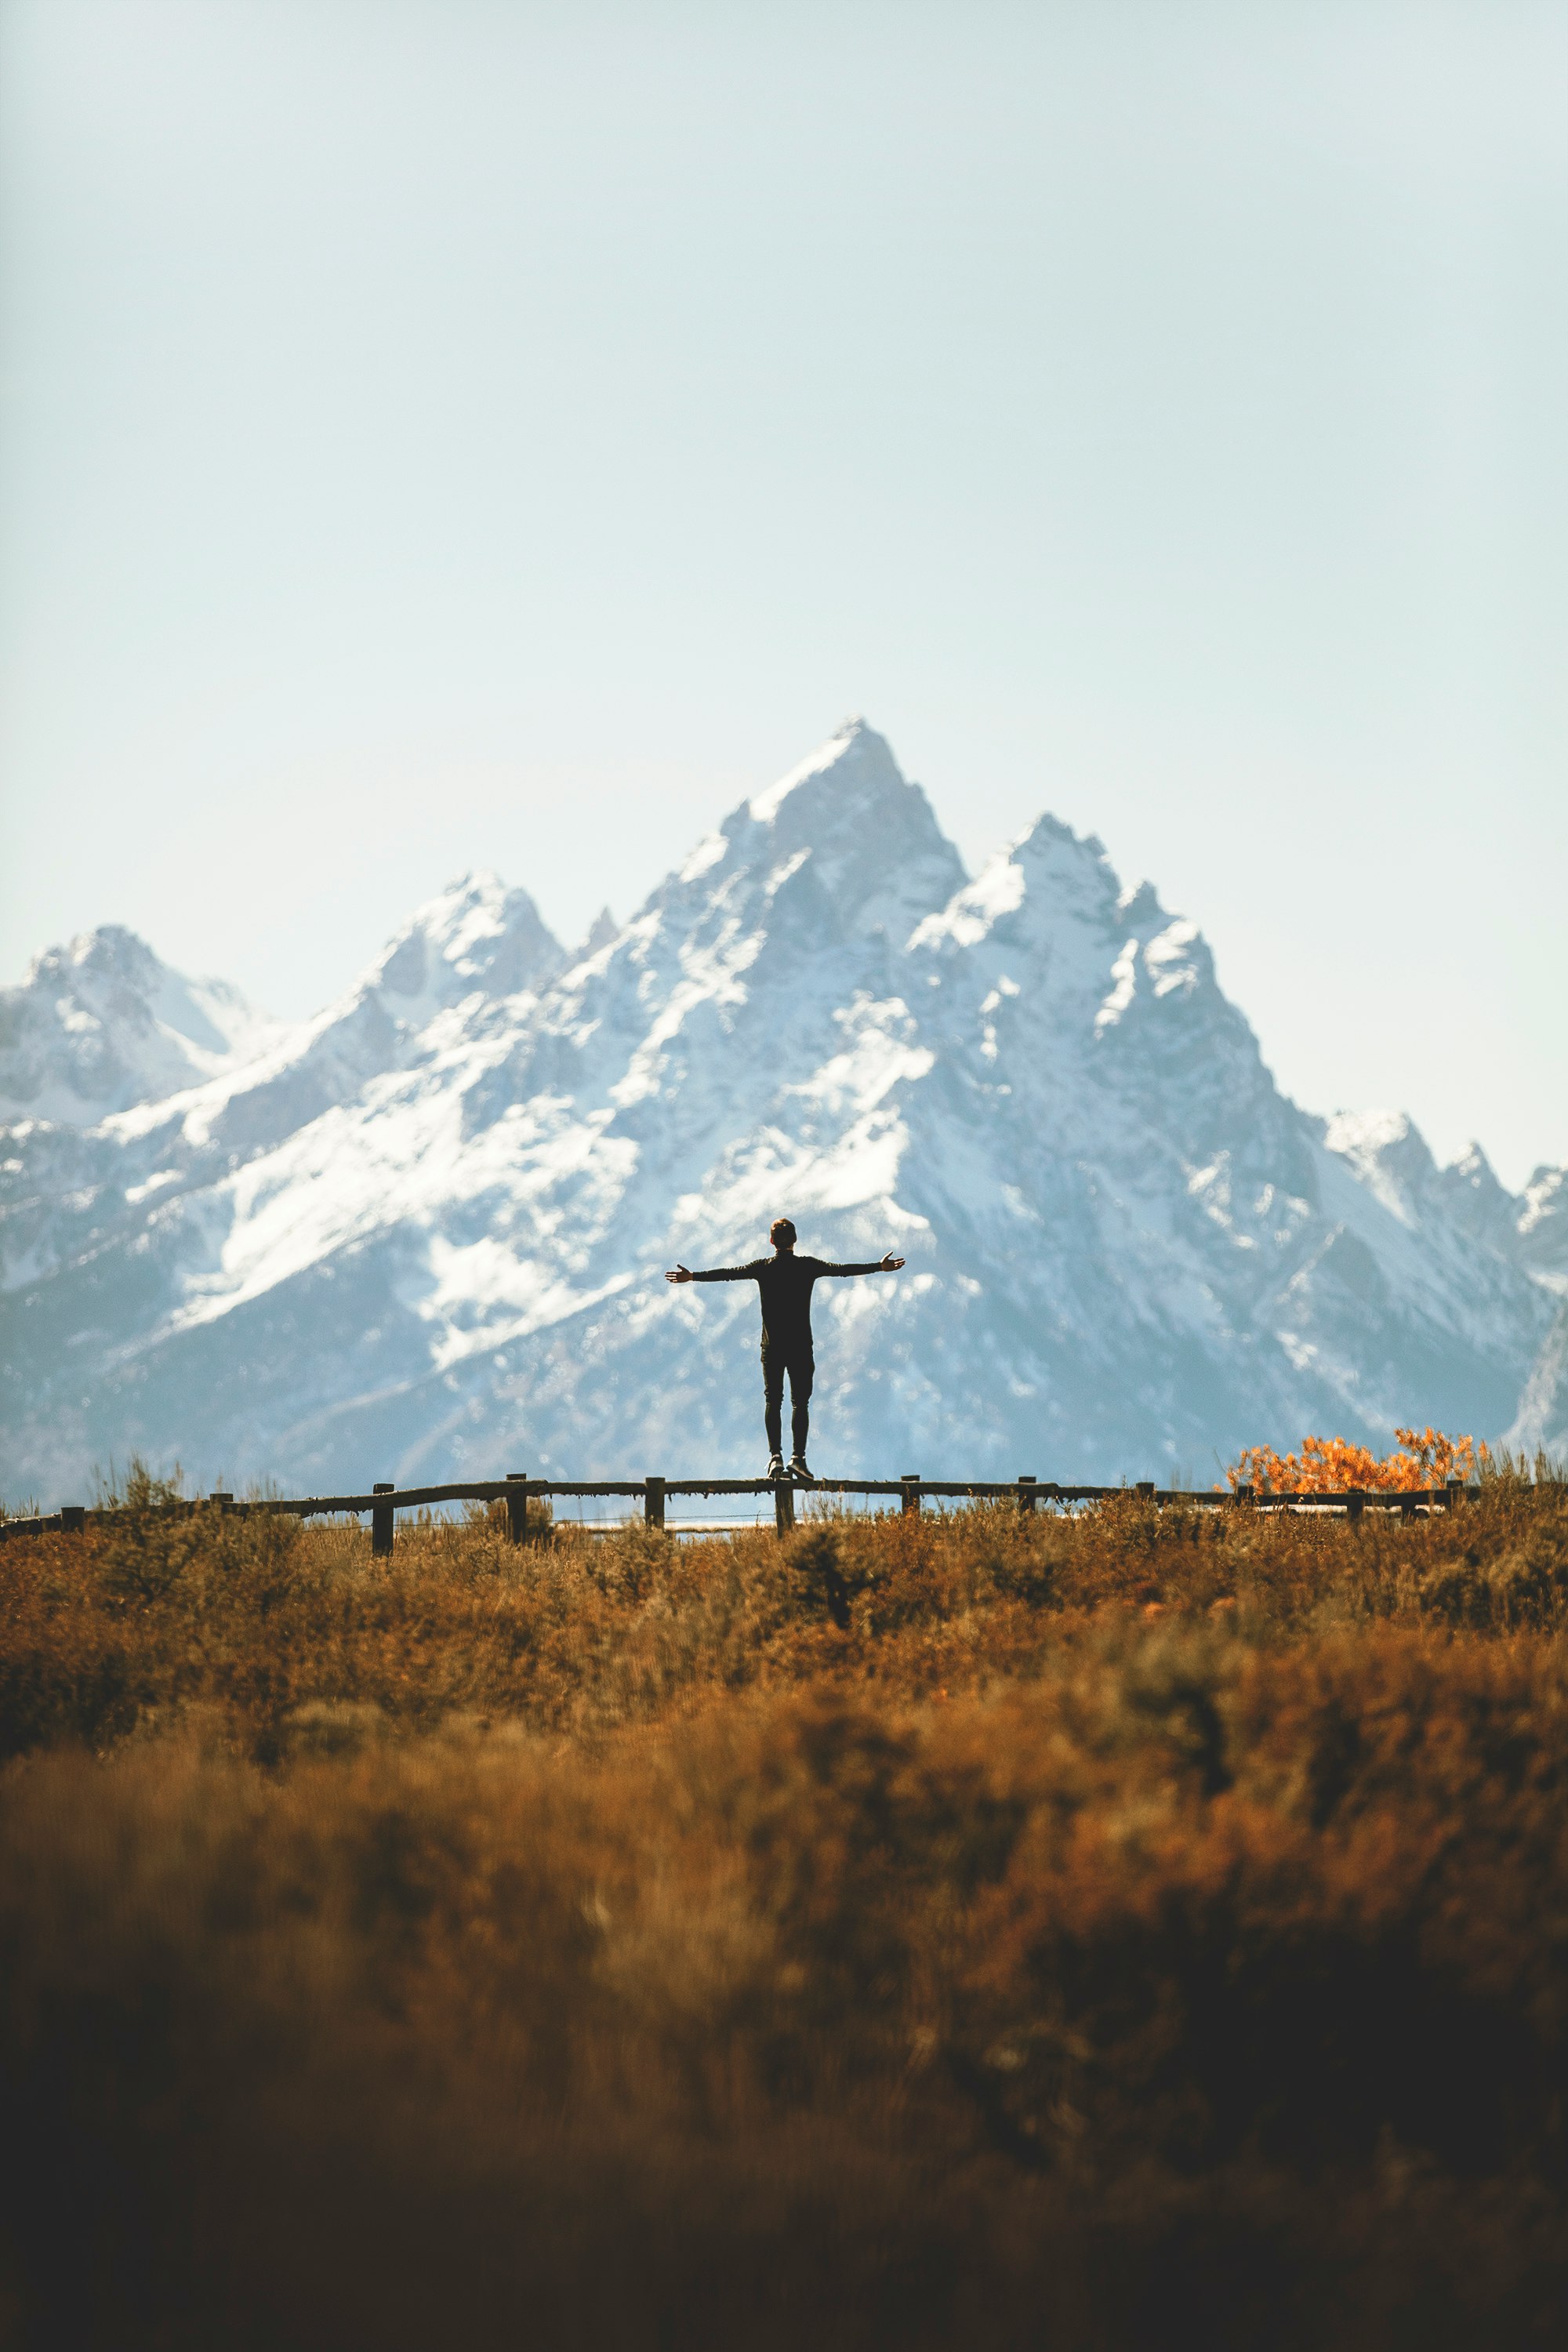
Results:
714 1274
889 1265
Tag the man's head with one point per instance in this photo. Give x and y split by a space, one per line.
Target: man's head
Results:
781 1232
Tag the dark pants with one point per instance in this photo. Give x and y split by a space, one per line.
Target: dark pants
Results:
797 1362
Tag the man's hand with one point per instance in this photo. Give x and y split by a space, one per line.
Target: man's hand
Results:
890 1265
683 1273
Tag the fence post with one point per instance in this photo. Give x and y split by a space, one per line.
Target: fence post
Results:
653 1501
1244 1492
1027 1483
783 1505
381 1524
516 1509
1355 1503
1145 1487
910 1483
1453 1488
73 1517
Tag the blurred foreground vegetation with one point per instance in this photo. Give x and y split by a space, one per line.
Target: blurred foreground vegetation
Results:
990 1930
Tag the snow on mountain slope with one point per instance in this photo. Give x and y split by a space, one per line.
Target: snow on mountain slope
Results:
1542 1423
103 1023
474 943
1540 1426
1542 1225
427 1231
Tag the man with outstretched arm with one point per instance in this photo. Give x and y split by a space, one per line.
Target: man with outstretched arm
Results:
785 1282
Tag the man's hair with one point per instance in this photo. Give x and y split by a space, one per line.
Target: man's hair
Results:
781 1230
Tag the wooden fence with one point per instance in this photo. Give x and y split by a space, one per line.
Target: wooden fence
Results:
516 1492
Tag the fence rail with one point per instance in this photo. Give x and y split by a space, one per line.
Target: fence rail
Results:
517 1491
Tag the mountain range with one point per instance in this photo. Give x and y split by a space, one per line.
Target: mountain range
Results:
423 1234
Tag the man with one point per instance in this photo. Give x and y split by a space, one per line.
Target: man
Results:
785 1282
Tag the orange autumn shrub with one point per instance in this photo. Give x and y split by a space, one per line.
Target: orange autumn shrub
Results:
1333 1466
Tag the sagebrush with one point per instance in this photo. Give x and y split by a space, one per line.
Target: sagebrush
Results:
984 1930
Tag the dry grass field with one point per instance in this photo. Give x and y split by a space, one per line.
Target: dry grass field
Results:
1101 1932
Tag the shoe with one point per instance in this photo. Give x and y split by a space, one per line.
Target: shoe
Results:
775 1468
801 1472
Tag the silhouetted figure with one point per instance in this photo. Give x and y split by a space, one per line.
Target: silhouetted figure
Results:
785 1282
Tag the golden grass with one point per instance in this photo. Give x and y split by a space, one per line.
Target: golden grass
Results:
980 1930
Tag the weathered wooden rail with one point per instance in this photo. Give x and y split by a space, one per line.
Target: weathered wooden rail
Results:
517 1491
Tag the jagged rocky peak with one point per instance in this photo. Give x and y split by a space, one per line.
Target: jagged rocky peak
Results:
475 935
1071 870
1543 1227
103 1023
1051 902
1393 1159
871 837
1046 883
113 955
1389 1155
1475 1201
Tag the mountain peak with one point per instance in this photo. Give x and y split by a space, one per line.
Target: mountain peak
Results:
858 759
111 951
1045 878
872 837
102 1023
600 931
474 934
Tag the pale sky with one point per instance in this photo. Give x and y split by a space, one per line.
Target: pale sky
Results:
436 434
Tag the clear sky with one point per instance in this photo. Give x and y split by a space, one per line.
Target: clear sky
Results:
439 434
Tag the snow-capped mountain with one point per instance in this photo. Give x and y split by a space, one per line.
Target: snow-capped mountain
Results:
425 1232
1541 1423
103 1023
1542 1225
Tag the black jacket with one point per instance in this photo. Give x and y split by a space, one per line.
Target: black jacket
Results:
785 1282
